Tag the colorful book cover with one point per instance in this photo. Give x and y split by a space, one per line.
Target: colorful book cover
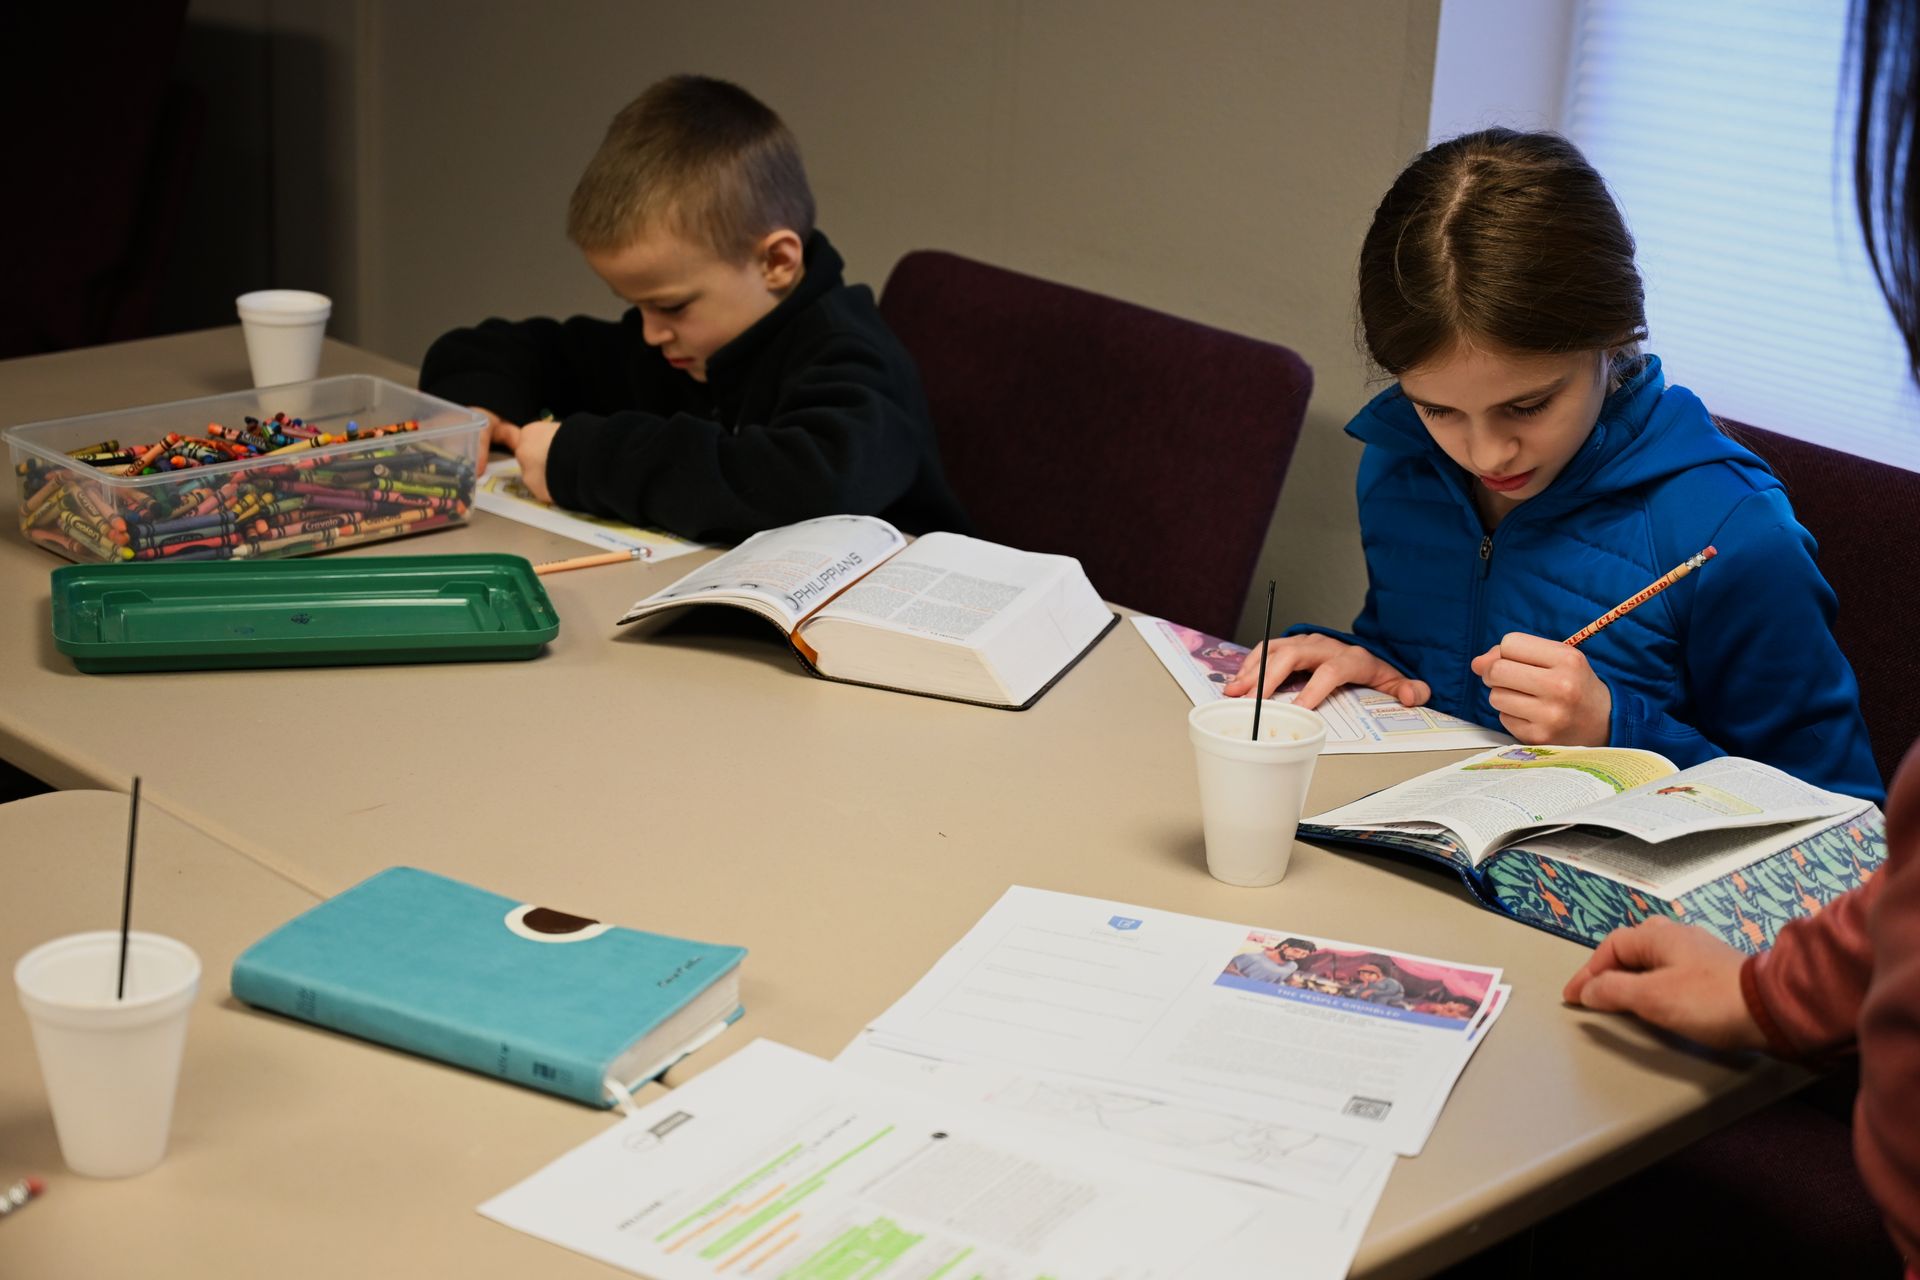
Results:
439 968
1747 908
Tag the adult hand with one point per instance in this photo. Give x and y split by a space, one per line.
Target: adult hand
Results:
530 445
1333 663
1546 691
1672 975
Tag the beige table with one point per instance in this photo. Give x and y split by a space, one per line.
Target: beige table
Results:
294 1152
702 785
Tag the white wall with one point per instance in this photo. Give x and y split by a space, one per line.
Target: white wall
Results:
1501 62
1214 159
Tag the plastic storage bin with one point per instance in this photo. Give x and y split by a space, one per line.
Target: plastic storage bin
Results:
335 482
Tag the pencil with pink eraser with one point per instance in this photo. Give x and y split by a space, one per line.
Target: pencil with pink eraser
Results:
1640 597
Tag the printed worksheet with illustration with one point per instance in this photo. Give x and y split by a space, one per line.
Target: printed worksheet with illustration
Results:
1359 721
1339 1038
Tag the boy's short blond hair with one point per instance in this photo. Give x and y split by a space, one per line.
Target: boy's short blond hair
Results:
696 156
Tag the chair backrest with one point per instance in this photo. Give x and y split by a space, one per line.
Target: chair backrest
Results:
1149 447
1865 516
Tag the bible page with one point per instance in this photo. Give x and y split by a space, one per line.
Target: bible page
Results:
785 573
947 586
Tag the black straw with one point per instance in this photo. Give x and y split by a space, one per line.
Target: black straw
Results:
126 894
1259 690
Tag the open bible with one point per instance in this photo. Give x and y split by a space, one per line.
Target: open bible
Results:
1582 840
947 616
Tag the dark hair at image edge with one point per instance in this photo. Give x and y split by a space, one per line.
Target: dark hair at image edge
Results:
1882 73
1502 239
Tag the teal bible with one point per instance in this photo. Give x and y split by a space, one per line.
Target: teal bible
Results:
544 999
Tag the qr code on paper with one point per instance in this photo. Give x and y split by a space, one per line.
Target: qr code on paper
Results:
1367 1108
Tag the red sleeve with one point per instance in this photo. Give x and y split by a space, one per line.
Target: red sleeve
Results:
1807 990
1886 1130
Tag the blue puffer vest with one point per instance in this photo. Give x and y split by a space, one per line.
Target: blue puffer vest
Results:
1737 659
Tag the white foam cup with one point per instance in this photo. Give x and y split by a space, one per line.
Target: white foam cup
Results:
110 1065
1251 792
283 328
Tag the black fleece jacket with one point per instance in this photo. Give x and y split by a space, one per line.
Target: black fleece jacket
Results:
815 410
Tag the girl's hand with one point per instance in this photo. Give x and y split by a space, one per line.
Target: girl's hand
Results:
1333 663
1674 976
530 445
1545 691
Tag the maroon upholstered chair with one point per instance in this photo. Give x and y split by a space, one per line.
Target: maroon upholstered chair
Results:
1151 448
1866 518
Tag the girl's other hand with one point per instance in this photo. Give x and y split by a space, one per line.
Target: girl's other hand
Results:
1672 975
1333 663
1545 691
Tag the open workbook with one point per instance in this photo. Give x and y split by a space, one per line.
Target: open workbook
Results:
947 616
1582 840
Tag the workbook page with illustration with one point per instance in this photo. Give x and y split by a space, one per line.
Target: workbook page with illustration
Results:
1525 794
1360 721
1583 840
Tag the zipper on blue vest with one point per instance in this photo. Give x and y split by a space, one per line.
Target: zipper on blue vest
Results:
1475 626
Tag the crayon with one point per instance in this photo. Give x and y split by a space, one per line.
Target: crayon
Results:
330 486
16 1197
146 459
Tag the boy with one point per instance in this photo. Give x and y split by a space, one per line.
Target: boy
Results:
1371 983
748 387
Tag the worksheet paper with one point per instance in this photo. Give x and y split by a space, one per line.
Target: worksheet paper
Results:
1352 1041
1359 721
504 493
1340 1174
778 1164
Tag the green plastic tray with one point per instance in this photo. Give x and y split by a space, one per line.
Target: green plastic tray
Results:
300 613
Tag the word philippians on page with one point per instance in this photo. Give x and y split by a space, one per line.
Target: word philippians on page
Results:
775 1163
1345 1039
1359 721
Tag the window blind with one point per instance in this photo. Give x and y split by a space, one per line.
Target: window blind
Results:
1719 126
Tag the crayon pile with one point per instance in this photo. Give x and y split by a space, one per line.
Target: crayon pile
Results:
301 489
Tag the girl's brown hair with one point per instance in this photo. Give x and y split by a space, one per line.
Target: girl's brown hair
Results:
1505 240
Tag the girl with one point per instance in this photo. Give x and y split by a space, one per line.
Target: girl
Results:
1848 976
1531 468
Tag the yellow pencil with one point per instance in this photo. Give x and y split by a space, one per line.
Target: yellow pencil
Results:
587 562
1647 593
